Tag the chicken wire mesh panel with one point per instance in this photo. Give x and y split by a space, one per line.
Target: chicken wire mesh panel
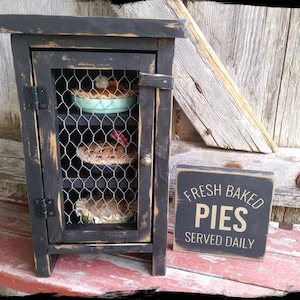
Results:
97 114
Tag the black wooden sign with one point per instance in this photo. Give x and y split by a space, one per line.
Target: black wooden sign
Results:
222 211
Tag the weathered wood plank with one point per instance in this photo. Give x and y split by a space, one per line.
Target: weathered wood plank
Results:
9 113
91 8
186 132
279 243
14 218
91 26
285 215
186 272
285 164
93 275
162 126
251 43
12 178
200 79
12 168
9 97
287 118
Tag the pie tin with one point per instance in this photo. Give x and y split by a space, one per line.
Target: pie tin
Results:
104 106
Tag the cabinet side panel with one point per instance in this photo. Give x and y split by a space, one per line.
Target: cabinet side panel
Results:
162 145
22 63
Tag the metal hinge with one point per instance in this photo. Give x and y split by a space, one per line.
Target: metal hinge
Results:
160 81
35 97
44 208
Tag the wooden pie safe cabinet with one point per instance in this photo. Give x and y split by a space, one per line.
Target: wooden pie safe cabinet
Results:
79 206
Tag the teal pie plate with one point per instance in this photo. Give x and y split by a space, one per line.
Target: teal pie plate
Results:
104 106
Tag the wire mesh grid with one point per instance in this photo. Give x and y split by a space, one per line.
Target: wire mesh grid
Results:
97 115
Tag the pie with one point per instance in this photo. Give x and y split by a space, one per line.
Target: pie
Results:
102 153
104 211
109 89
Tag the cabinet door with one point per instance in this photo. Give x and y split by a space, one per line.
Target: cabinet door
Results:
96 141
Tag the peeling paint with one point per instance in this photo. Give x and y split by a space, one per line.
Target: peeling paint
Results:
65 57
152 66
175 25
60 213
155 210
53 148
5 30
122 35
210 258
49 45
287 242
144 220
24 266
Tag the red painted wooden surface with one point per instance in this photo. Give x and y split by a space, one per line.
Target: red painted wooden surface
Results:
95 275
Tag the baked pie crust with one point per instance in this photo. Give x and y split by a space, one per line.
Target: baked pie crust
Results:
104 211
113 90
100 153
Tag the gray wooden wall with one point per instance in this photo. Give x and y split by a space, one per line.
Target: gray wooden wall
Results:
258 45
260 48
9 104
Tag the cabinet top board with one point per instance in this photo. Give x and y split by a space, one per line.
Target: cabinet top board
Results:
92 26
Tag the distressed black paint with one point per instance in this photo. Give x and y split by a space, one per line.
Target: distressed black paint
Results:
222 211
42 45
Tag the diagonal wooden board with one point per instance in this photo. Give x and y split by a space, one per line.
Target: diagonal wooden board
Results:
203 88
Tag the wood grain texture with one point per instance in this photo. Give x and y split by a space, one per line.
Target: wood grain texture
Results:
12 167
203 88
253 58
8 91
89 275
258 45
287 215
39 130
287 129
285 164
91 26
9 104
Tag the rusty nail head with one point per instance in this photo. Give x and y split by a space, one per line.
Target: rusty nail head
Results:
233 165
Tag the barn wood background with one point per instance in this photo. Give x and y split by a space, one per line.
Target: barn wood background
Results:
259 48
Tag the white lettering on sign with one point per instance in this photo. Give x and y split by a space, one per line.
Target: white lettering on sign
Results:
243 243
218 240
220 211
244 195
203 191
229 191
203 211
202 238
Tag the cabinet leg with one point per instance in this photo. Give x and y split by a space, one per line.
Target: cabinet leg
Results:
44 264
159 246
159 264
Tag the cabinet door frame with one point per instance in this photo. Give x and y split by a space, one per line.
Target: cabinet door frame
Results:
44 61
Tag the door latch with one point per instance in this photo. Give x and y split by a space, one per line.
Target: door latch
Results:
161 81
